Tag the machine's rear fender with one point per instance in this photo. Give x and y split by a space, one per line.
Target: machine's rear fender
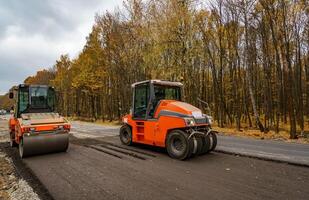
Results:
18 132
127 119
12 124
130 126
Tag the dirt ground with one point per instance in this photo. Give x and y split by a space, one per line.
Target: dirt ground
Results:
6 168
6 171
12 185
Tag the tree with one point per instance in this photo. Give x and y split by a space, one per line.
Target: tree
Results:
247 59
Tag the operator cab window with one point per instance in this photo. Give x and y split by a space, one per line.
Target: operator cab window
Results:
164 92
167 92
38 97
141 97
51 99
23 99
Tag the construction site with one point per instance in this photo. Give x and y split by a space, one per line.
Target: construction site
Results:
154 99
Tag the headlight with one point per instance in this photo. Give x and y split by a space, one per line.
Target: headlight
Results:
210 120
60 127
32 129
125 120
189 121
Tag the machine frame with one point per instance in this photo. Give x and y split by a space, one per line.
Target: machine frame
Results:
47 133
169 116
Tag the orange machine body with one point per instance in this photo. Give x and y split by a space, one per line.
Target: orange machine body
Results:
34 113
168 115
18 129
159 117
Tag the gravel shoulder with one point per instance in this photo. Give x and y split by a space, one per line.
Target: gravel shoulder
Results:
17 181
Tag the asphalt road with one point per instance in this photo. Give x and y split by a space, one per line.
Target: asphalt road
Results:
97 166
105 171
293 153
281 151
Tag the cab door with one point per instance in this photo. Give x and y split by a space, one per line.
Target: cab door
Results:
143 131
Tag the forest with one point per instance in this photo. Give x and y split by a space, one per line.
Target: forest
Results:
248 59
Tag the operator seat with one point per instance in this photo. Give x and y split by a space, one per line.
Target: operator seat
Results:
159 95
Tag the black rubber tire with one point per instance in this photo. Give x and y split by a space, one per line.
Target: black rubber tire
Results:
21 148
66 148
199 147
213 137
191 146
206 144
178 145
125 135
12 141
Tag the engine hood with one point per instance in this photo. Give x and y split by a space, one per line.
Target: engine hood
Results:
178 108
41 118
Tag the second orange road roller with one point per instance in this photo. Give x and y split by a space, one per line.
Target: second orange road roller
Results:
35 127
159 117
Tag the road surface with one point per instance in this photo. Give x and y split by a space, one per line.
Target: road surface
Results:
292 153
97 166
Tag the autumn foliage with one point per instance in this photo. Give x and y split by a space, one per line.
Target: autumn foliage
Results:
248 59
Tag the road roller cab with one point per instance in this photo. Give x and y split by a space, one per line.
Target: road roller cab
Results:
159 117
35 127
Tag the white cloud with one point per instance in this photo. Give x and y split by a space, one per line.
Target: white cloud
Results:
34 33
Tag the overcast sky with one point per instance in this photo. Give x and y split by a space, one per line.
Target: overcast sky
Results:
34 33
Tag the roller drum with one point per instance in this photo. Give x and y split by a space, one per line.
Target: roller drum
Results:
44 143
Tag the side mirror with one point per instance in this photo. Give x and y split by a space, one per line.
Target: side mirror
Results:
11 95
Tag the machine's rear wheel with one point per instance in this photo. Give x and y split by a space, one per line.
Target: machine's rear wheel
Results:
206 144
178 145
125 135
12 140
213 140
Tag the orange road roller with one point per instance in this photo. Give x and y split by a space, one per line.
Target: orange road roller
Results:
35 127
159 118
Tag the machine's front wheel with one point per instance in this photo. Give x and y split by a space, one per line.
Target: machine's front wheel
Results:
178 145
213 140
125 135
206 144
198 145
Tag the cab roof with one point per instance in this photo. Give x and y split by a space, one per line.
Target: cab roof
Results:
32 85
29 85
159 82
